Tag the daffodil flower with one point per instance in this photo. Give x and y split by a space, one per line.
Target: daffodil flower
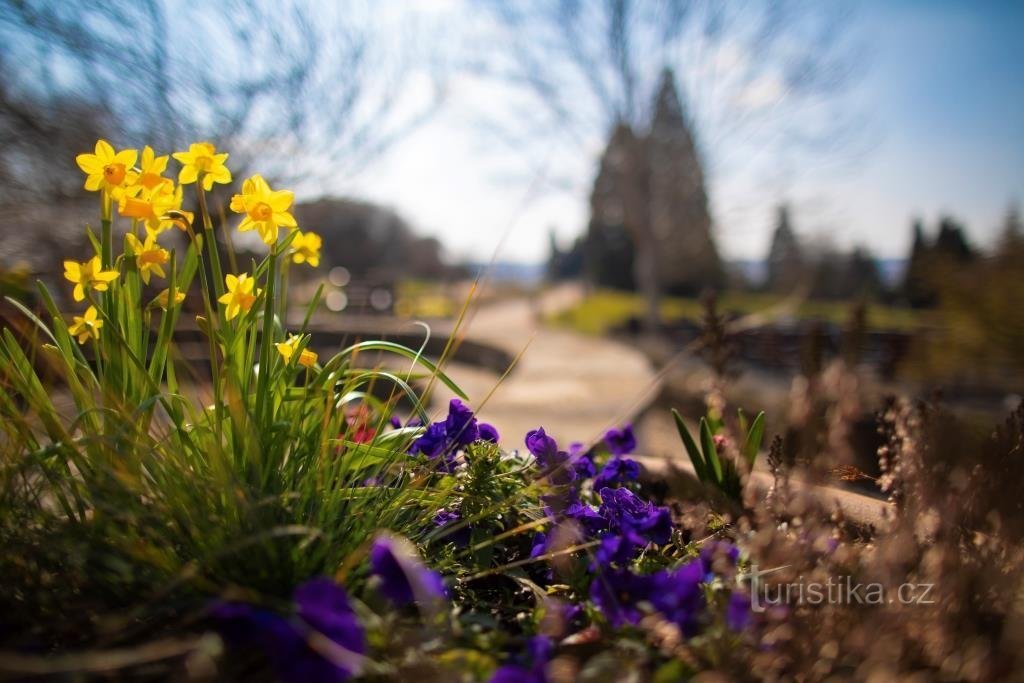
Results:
306 248
151 178
241 294
152 208
288 348
107 170
86 326
88 275
163 298
265 210
149 256
202 159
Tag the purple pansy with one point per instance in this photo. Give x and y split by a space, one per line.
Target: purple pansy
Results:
620 441
617 471
737 612
404 578
717 549
432 443
587 517
322 607
488 432
529 668
458 430
540 544
679 595
582 461
617 595
460 425
626 512
553 462
459 536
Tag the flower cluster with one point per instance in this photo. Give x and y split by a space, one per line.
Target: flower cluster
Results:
445 438
153 202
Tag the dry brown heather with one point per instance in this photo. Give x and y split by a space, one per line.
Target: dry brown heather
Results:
955 522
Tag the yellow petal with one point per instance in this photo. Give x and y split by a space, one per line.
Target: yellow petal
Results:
104 150
127 157
286 219
281 200
187 175
89 163
220 174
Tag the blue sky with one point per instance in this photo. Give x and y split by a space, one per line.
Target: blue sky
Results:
941 104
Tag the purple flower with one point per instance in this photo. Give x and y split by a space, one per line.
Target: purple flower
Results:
587 517
511 673
679 596
625 512
404 578
737 612
553 462
717 549
432 443
617 471
322 607
540 544
460 536
530 668
460 426
617 595
582 461
620 441
458 430
618 548
542 446
488 432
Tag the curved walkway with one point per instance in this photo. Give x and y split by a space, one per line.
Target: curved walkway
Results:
577 386
573 385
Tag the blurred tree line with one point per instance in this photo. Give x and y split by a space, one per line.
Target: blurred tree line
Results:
979 338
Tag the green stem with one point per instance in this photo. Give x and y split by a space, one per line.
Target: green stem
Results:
266 339
211 240
211 317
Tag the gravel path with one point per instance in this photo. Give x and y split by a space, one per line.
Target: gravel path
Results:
573 385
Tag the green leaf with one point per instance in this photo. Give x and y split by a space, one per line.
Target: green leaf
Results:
752 445
707 442
699 466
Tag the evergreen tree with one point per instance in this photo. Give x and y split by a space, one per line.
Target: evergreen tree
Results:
785 259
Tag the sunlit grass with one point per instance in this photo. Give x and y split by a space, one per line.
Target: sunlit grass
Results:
604 310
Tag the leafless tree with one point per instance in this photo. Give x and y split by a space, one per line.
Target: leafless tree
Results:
263 77
589 67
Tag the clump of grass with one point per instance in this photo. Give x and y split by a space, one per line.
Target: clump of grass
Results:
128 492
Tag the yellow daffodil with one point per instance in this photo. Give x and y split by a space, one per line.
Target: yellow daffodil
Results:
287 349
306 246
155 209
86 326
151 178
88 275
265 210
149 256
202 159
108 170
162 299
241 294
